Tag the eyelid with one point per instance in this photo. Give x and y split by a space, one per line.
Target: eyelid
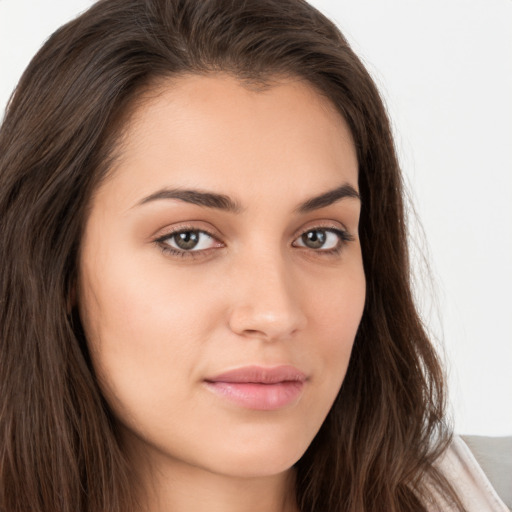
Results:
327 225
188 225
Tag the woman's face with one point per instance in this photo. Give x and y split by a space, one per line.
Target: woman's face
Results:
221 281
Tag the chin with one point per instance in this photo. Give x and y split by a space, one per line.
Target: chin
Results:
256 460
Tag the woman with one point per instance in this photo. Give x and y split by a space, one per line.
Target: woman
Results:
205 299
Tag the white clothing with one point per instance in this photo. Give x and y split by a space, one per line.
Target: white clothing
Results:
474 489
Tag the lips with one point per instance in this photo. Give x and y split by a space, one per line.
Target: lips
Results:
259 388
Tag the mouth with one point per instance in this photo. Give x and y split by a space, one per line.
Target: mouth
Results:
259 388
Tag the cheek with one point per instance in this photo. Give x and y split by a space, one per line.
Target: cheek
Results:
133 301
336 314
337 307
143 332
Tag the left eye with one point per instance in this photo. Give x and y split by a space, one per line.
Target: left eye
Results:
189 240
324 239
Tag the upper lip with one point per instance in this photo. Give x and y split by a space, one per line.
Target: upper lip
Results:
260 375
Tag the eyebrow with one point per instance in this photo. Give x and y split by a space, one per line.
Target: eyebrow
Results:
328 198
198 197
226 203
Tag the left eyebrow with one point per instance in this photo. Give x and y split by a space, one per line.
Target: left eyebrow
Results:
328 198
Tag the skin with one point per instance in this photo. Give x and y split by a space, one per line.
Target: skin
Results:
252 293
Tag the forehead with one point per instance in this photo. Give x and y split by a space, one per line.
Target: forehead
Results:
211 131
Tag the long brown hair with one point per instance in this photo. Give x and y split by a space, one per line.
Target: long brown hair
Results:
59 449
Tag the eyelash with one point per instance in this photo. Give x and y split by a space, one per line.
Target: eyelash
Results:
344 238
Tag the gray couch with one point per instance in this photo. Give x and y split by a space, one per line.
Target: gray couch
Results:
494 454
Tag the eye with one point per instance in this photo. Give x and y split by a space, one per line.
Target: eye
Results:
187 241
328 240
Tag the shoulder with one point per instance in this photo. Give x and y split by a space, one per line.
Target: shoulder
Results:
468 479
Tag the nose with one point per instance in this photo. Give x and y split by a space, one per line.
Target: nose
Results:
266 303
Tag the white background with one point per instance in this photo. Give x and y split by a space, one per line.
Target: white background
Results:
445 70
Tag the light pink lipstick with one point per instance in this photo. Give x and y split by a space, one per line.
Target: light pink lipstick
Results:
260 388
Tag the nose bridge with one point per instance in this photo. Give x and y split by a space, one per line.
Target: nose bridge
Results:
265 303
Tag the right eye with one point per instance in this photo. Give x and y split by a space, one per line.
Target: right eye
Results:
184 241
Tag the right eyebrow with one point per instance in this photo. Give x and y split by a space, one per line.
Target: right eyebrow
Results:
198 197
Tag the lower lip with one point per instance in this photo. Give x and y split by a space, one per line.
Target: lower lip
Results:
262 397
